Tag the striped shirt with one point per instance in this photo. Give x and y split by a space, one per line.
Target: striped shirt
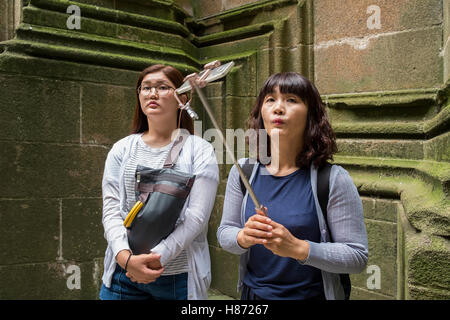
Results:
147 156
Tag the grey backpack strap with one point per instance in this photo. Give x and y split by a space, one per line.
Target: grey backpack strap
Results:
247 168
175 150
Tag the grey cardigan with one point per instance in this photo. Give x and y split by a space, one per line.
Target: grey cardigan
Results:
349 252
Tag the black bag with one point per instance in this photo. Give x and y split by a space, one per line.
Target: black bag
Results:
163 192
323 190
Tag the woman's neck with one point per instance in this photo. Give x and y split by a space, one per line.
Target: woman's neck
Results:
158 135
283 153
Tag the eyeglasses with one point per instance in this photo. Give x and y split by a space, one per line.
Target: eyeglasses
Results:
161 90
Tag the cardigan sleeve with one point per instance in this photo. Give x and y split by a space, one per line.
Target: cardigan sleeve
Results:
115 231
231 223
349 251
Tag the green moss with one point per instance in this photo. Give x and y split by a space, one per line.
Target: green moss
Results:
417 184
234 34
439 123
95 27
383 99
117 60
80 40
428 261
11 63
377 128
111 15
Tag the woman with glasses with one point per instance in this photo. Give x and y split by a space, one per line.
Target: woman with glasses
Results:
179 266
288 254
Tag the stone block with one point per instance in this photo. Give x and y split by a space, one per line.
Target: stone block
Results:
344 19
32 66
299 59
380 209
406 60
95 27
237 112
447 60
107 112
51 281
241 82
391 110
421 293
446 40
427 263
224 270
221 189
47 170
29 231
39 109
185 5
231 4
437 149
296 59
368 207
382 238
145 8
386 210
364 294
82 228
215 89
409 149
110 4
214 221
206 8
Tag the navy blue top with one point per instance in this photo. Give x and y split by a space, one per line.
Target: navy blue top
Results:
290 202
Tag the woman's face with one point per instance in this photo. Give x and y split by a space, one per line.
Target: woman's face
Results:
158 103
285 114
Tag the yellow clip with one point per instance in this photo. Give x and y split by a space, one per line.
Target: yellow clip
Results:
132 214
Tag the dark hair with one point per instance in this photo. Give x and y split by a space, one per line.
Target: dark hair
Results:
319 140
140 123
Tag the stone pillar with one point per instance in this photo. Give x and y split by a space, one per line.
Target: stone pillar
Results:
10 18
446 39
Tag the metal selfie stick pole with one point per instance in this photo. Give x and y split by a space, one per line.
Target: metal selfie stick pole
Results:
194 80
228 149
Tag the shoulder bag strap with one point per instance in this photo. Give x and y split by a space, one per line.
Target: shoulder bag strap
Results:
174 152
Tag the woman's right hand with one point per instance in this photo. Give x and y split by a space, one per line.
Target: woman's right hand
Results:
142 268
256 231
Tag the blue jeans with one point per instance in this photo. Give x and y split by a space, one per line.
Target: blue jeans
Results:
173 287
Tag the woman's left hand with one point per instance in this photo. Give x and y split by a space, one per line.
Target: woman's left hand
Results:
284 244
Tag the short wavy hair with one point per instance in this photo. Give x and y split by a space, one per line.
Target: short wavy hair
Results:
319 139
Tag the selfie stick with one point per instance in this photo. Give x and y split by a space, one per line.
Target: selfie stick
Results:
195 82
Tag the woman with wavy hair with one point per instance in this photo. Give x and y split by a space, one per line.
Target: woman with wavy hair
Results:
287 252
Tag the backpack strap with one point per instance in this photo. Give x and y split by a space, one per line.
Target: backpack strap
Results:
247 168
323 190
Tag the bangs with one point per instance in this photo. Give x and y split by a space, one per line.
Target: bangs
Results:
288 83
